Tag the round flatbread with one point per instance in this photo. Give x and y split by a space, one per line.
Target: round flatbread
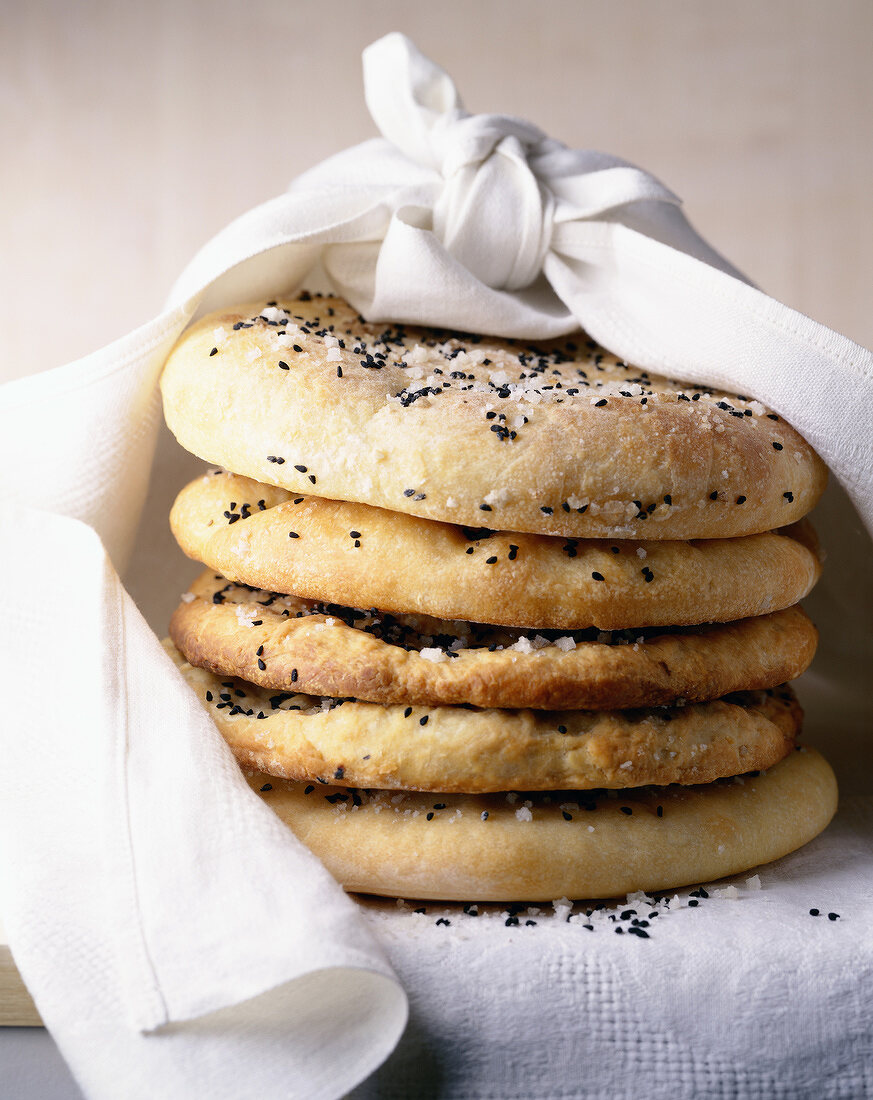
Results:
300 736
532 847
288 643
559 439
360 556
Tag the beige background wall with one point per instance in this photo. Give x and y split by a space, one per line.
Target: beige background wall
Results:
136 130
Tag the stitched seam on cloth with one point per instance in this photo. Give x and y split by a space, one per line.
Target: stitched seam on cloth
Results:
774 322
157 1012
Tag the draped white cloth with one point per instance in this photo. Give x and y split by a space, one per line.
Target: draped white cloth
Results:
168 929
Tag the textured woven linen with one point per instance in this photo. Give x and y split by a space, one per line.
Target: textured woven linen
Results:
170 932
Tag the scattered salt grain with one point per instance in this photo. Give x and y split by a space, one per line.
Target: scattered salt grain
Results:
754 883
497 498
435 655
188 597
565 644
524 814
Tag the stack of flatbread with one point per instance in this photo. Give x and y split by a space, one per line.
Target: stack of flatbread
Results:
484 620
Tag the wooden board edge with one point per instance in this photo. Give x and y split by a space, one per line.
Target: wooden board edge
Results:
16 1006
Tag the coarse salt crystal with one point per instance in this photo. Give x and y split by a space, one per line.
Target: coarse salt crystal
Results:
565 644
523 814
435 655
641 553
497 497
627 765
451 502
253 353
245 616
729 892
334 355
562 907
754 883
271 313
331 342
219 335
523 645
188 597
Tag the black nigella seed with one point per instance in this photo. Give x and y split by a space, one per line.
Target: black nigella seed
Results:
283 365
693 902
660 811
407 712
668 499
423 721
409 492
469 549
626 810
597 576
600 403
513 552
354 534
484 507
713 496
789 497
301 469
293 535
490 561
777 446
567 817
267 787
833 916
261 664
741 500
297 347
815 912
544 508
208 696
213 352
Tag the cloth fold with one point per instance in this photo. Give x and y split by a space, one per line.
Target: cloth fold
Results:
144 886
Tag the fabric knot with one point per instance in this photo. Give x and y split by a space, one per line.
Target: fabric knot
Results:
492 214
491 211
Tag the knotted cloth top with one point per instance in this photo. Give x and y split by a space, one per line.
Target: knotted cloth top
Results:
485 224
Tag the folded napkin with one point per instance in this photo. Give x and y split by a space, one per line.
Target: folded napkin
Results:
173 935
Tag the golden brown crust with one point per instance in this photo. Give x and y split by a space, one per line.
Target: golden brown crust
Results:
486 848
561 440
287 643
360 556
459 749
